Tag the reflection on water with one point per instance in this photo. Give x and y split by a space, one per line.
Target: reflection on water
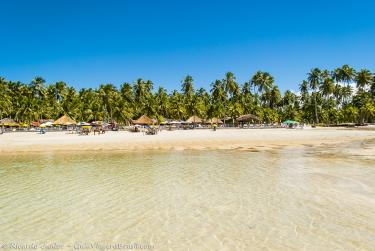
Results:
190 200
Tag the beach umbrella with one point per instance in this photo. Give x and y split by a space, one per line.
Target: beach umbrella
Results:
84 124
8 122
194 119
97 122
175 122
143 120
214 121
35 124
46 124
65 120
248 118
290 122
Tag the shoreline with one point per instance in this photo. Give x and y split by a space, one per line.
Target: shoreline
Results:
227 139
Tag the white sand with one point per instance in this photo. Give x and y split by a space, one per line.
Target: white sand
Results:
241 139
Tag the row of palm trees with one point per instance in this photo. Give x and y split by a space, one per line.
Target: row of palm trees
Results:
329 97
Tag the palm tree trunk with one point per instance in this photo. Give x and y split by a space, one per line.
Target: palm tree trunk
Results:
316 109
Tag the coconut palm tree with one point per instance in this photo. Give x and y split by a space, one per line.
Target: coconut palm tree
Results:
188 91
363 78
327 86
262 80
187 86
5 98
162 102
314 79
218 99
275 97
231 85
177 108
325 96
347 74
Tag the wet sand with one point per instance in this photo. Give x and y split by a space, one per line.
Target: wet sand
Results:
198 139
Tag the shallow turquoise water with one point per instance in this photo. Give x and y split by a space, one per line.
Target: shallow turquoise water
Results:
285 199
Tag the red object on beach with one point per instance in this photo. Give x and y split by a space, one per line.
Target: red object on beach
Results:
35 124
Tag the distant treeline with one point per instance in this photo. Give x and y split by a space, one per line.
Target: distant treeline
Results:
328 97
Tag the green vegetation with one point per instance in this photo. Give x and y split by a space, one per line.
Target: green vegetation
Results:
324 97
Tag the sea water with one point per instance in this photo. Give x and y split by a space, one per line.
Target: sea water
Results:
303 198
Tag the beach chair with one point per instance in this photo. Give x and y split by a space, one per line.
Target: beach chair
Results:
151 131
84 131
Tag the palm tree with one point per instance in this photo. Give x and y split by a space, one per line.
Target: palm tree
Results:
5 98
37 86
162 102
346 92
304 89
219 98
204 99
262 80
372 89
314 78
231 85
275 97
188 91
347 74
110 99
247 98
38 91
140 96
59 90
327 88
364 78
177 109
187 86
331 99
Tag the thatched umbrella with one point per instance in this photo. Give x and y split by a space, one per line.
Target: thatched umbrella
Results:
8 122
194 119
248 118
65 120
143 120
214 121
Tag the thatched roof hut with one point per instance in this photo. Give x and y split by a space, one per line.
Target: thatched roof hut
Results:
8 122
248 118
214 121
143 120
194 119
65 120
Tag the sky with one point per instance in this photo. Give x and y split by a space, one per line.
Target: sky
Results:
87 42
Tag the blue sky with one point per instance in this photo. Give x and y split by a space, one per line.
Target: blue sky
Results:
87 43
